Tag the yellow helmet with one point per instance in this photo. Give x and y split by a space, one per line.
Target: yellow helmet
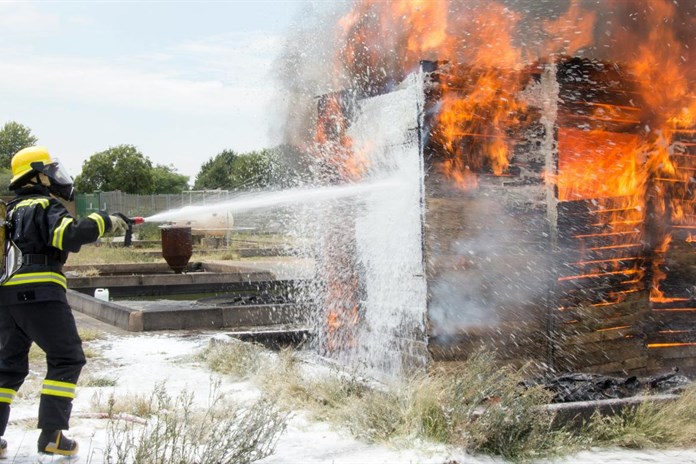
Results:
21 161
31 161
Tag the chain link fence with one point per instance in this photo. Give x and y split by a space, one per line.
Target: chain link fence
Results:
145 205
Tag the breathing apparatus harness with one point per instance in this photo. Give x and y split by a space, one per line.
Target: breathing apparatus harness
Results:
11 254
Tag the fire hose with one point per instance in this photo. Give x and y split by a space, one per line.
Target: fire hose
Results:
130 222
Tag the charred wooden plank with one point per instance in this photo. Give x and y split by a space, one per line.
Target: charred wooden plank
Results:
636 366
673 352
591 354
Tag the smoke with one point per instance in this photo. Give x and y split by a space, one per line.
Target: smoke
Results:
490 273
305 70
370 46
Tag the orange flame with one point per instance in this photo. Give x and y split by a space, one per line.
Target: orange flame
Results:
571 31
599 164
631 155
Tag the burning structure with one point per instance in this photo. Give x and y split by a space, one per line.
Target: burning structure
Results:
547 152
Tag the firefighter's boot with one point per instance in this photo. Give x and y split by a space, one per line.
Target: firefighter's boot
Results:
54 442
3 448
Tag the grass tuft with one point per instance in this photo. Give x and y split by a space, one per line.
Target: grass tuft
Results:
478 406
132 404
649 425
89 272
97 381
90 335
238 359
177 432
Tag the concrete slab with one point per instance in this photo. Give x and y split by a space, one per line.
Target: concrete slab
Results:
154 279
106 311
184 318
89 323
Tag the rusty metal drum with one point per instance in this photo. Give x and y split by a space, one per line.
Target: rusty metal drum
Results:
177 247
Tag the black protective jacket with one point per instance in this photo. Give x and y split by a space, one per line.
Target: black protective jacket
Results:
45 232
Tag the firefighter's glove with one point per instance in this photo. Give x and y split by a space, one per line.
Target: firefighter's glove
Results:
118 224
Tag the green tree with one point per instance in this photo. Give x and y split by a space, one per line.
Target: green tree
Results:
252 170
13 137
290 166
167 180
216 172
121 168
5 177
282 166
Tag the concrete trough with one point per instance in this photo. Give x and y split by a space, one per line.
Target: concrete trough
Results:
177 318
106 311
153 280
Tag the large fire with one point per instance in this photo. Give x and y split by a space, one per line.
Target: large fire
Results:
633 158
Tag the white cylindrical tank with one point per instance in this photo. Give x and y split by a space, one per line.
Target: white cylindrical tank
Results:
212 225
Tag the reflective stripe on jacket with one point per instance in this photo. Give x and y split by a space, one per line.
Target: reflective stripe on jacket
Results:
41 225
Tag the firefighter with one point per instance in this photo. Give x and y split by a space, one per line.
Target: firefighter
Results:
33 303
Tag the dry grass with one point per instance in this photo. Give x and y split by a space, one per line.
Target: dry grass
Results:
479 406
140 405
177 432
233 357
89 272
90 335
90 380
104 253
650 425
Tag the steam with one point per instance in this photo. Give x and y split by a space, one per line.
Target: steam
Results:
493 276
305 70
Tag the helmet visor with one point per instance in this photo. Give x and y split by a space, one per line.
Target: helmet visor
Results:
57 173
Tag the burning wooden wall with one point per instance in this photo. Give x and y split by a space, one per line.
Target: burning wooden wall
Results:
602 294
584 207
487 232
593 206
559 153
371 297
672 335
553 260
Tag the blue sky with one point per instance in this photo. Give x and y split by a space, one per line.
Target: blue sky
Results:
180 80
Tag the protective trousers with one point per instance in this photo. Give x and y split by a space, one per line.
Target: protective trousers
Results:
40 314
